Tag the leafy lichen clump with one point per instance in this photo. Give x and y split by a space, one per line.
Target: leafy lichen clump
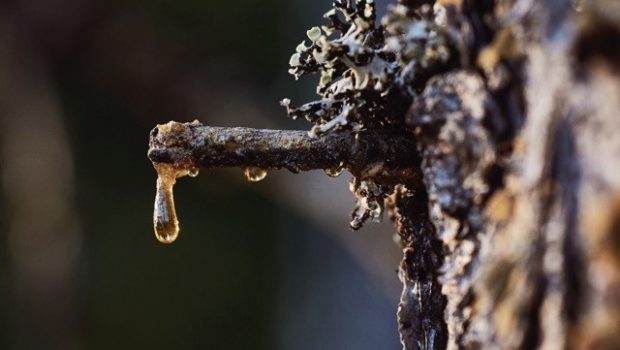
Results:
368 77
363 66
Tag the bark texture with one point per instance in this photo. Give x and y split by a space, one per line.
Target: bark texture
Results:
520 159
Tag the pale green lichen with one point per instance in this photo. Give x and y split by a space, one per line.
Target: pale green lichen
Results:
367 75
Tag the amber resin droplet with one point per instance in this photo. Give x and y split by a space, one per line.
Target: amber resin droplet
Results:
165 219
193 172
335 171
253 174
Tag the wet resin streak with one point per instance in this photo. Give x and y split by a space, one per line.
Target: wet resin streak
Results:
165 219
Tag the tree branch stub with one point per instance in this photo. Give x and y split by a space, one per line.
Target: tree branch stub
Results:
192 145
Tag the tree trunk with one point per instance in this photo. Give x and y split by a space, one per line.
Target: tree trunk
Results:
521 163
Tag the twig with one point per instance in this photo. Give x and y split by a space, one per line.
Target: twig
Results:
188 145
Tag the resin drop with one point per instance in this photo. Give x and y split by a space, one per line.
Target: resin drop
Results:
165 219
376 212
253 174
335 171
193 172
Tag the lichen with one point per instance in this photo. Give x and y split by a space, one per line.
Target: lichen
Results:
368 72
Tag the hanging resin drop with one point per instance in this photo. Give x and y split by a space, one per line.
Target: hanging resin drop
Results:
335 171
165 219
376 212
193 172
254 174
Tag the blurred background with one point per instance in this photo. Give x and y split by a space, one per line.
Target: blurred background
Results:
270 265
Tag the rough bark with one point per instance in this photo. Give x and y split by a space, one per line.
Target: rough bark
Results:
523 178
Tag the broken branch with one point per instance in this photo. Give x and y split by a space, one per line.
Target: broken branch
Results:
190 145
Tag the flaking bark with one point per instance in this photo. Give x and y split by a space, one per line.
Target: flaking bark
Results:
421 321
